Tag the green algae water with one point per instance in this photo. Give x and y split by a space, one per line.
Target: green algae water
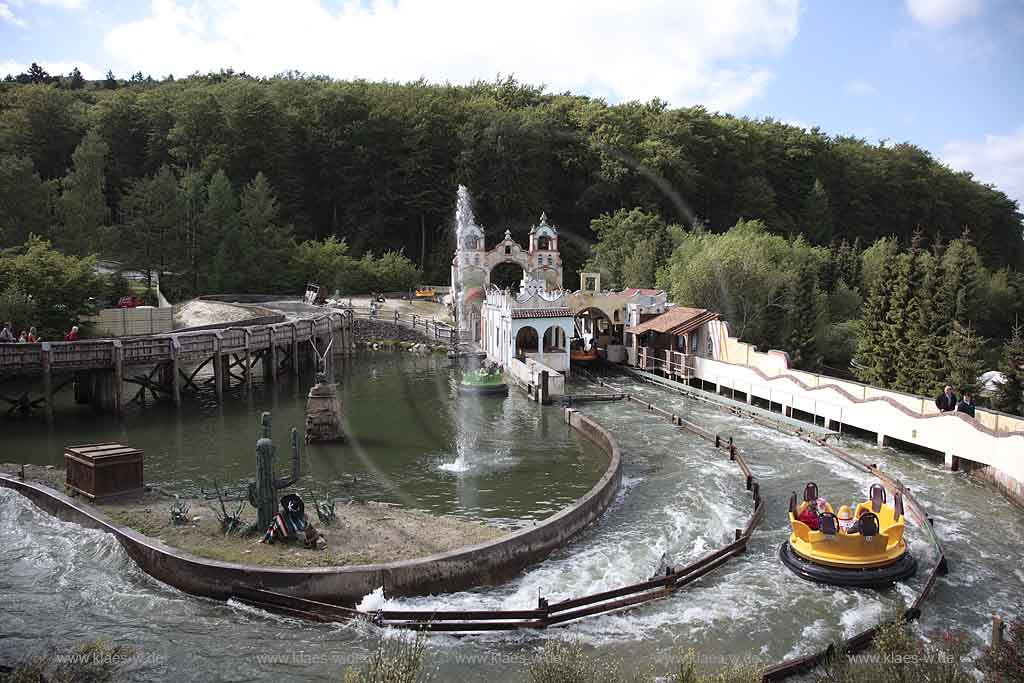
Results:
412 440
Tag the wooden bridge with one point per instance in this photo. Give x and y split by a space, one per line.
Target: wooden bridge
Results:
169 363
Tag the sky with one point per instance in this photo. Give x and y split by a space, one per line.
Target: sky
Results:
947 75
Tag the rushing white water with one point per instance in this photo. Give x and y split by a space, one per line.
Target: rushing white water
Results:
679 497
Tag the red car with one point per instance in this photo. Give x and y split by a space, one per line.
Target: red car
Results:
129 302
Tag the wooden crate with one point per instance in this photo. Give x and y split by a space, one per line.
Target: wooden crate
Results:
102 470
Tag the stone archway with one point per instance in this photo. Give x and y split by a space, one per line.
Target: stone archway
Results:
527 341
593 325
501 274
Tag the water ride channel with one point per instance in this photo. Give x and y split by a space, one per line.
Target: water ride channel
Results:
416 441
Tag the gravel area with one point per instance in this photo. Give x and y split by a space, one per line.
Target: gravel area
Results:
196 313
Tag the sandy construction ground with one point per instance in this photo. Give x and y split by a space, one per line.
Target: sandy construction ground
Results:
195 313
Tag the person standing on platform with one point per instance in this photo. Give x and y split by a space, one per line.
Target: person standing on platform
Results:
946 402
7 334
966 405
72 335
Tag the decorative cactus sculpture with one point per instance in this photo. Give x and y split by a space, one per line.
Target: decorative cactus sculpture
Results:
263 493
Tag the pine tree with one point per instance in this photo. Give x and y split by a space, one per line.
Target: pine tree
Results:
193 195
894 338
804 307
82 207
37 74
818 214
152 232
110 82
962 274
75 79
873 365
1009 396
921 367
265 264
220 231
964 360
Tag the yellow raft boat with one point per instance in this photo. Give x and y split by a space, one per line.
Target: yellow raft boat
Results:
871 554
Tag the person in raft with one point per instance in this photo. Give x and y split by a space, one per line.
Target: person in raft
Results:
809 515
847 523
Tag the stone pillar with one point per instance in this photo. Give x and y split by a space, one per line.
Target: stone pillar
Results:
883 440
750 396
543 390
47 381
952 462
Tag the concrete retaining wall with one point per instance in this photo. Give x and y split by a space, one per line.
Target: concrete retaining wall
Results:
129 322
459 569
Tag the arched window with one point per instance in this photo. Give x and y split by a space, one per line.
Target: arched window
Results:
543 242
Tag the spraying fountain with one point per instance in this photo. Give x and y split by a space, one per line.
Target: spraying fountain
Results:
486 381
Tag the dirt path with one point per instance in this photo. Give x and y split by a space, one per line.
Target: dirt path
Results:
364 533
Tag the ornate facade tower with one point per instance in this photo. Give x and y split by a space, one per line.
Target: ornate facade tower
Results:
545 261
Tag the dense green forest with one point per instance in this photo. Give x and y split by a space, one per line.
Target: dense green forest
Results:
377 164
830 247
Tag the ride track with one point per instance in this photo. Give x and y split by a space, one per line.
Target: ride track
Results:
562 613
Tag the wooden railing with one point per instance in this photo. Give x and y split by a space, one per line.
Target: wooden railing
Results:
100 354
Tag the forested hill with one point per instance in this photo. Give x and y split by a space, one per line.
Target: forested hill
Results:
378 164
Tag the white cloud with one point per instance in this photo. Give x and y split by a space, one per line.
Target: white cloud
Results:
860 89
7 15
998 159
941 13
65 4
54 68
684 51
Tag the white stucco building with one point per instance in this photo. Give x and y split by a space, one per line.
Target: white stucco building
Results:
533 324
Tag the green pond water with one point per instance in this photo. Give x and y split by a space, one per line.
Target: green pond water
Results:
412 440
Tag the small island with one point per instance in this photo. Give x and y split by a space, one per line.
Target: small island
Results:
363 533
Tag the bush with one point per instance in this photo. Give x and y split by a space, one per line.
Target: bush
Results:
566 662
898 656
91 662
396 660
1006 664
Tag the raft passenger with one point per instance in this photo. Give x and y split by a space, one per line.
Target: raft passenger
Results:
809 515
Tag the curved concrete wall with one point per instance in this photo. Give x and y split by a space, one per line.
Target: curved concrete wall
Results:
456 570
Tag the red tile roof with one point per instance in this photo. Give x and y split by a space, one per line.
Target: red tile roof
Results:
678 320
518 313
633 291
